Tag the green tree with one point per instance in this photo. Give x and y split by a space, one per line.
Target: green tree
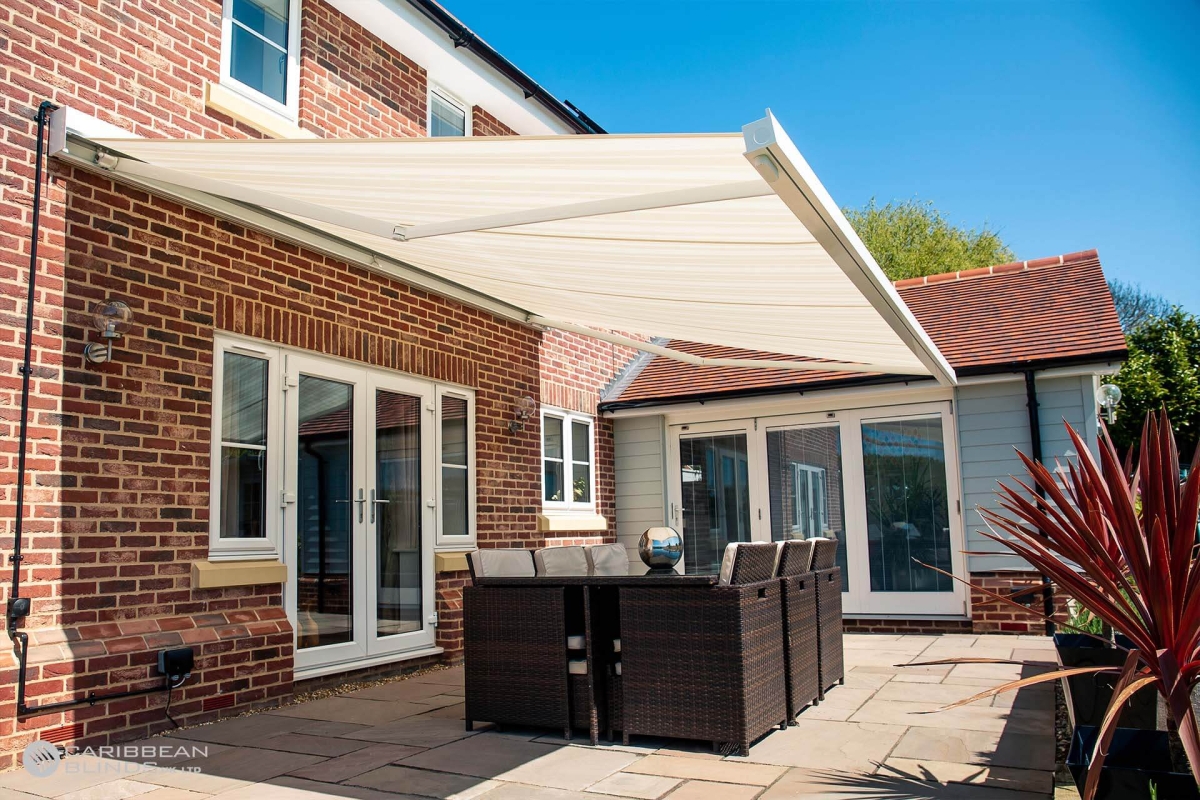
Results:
912 238
1163 369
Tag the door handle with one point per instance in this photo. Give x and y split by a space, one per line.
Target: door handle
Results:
375 503
362 501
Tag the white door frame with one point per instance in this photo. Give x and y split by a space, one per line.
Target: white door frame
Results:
858 600
365 382
295 366
424 637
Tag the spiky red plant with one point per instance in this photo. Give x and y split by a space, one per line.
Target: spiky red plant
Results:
1121 541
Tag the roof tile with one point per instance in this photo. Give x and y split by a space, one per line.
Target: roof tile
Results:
990 319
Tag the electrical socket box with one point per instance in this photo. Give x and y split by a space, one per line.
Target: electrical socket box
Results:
176 664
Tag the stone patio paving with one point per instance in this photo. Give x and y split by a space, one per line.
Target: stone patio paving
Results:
405 739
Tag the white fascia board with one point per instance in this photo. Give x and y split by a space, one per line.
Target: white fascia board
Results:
82 154
786 171
455 69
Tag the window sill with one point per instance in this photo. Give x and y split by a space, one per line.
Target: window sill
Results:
569 521
452 561
222 574
243 109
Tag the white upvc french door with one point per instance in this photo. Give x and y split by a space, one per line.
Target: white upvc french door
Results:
359 511
884 480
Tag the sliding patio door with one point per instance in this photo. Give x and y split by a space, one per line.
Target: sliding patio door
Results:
359 509
884 481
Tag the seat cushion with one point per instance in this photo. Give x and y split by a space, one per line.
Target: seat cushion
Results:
747 562
795 557
560 561
607 559
501 563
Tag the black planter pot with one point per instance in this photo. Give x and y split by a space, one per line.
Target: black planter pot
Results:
1136 758
1088 695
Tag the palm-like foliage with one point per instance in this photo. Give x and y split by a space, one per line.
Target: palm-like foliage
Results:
1121 541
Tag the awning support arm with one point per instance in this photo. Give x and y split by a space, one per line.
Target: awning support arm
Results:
591 208
702 361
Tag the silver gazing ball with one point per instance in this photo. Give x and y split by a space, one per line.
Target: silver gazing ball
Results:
660 548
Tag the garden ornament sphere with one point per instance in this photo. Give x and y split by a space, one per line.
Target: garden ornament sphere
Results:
660 548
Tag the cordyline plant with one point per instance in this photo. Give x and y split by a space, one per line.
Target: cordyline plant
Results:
1121 540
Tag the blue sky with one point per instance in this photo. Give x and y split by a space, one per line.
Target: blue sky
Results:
1067 126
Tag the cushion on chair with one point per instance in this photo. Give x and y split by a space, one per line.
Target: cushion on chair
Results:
560 561
747 562
607 559
501 563
795 557
824 552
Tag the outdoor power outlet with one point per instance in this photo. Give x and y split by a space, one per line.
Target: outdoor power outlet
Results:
176 664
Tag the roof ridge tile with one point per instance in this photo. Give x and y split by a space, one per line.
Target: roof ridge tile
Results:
999 269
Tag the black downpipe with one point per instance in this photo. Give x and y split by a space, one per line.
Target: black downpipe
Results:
19 607
1035 446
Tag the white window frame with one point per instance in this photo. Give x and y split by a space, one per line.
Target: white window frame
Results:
568 417
449 99
227 548
289 110
232 549
453 541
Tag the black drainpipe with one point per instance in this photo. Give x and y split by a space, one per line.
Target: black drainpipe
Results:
1035 446
19 607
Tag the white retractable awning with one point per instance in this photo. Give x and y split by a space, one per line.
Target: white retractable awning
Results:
724 239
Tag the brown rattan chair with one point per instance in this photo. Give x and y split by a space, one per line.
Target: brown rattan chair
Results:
829 615
800 649
705 662
514 648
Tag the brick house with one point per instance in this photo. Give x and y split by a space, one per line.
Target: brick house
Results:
298 437
117 521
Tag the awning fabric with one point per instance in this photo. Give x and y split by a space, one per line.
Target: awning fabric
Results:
725 239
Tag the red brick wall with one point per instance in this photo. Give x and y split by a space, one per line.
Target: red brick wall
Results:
989 615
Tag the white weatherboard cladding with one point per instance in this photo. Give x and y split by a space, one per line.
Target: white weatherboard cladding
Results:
743 273
639 464
993 419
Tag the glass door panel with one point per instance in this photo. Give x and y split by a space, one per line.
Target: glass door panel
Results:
804 481
715 494
397 513
908 513
325 513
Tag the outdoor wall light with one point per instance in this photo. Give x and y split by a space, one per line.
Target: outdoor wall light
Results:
522 411
1107 396
111 318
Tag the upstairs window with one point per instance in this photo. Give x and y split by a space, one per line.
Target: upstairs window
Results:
260 45
447 116
568 480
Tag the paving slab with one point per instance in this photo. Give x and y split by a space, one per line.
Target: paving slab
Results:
422 731
168 793
291 788
520 791
978 747
404 690
486 756
329 746
242 730
353 710
724 771
371 756
570 767
120 789
850 746
1024 780
628 784
972 718
824 784
420 782
443 677
708 790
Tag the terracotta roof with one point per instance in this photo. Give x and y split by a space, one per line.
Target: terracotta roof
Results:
995 319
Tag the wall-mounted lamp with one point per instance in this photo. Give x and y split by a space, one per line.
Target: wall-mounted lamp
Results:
111 318
1107 396
522 410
